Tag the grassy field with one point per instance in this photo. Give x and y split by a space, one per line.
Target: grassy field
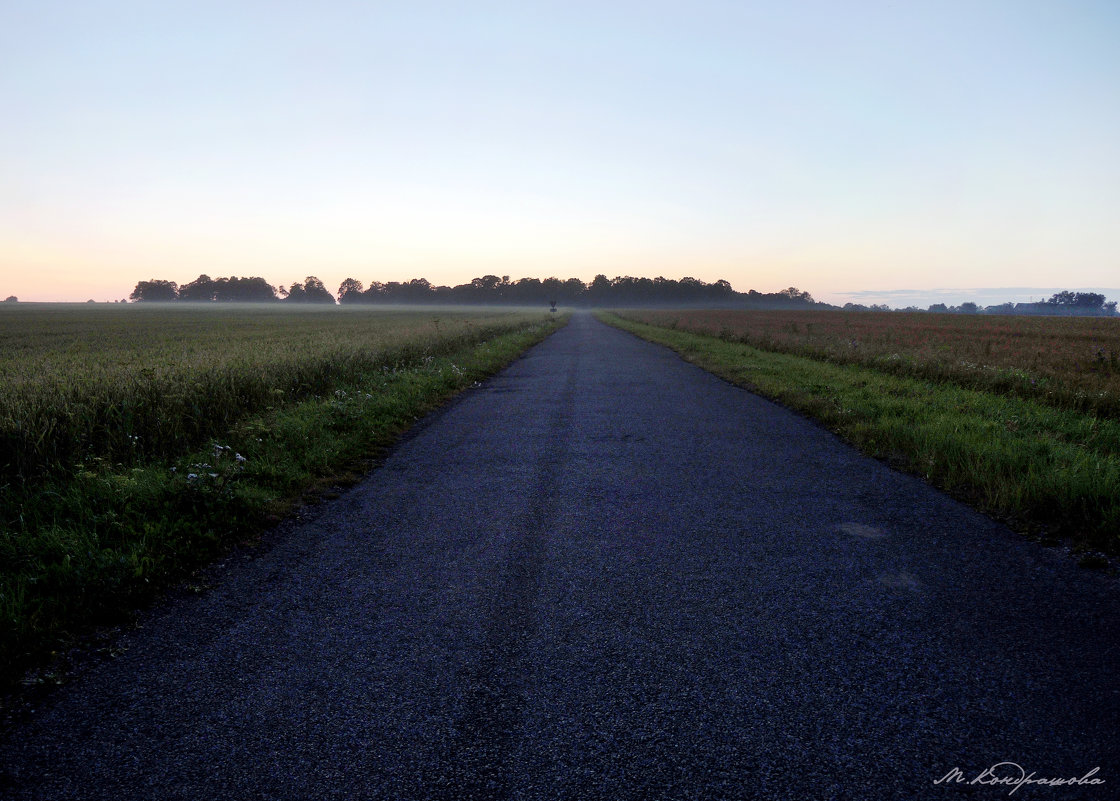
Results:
136 442
1071 362
1015 415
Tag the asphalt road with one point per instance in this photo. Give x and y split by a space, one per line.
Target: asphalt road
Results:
606 574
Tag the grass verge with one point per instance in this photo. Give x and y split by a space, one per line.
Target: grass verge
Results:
87 548
1048 471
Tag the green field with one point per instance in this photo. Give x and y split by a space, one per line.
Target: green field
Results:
136 442
1000 432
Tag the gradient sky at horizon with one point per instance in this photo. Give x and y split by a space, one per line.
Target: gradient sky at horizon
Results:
837 147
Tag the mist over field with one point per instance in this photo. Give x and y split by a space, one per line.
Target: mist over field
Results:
984 296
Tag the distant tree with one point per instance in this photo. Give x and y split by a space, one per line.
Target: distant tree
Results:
793 293
350 291
528 291
599 290
938 307
969 307
155 291
418 290
242 290
1080 300
553 288
310 291
11 299
199 290
234 289
315 291
394 291
486 287
1109 308
574 291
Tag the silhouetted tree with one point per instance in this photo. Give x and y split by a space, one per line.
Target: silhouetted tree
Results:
200 289
205 289
315 291
418 290
350 291
11 299
243 290
1085 300
793 293
155 291
310 291
601 290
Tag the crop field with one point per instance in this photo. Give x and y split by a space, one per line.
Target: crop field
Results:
1019 416
130 384
136 440
1073 362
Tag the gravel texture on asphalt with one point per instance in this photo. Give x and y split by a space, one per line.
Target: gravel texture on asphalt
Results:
606 574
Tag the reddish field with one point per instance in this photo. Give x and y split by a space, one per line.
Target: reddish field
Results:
1072 362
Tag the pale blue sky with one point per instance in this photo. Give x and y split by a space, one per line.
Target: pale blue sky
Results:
833 146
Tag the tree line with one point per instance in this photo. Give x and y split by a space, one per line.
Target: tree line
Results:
488 289
1061 304
205 289
615 292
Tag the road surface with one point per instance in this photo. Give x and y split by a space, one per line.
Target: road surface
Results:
606 574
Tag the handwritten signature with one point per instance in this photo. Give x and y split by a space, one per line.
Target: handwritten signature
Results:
1010 774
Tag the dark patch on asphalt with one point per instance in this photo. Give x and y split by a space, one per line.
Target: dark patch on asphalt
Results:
478 765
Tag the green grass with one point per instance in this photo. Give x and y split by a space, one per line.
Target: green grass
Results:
270 409
1043 469
1069 362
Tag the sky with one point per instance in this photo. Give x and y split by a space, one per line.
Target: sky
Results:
856 150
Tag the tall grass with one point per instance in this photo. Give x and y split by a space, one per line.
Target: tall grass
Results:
1068 362
134 384
138 441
